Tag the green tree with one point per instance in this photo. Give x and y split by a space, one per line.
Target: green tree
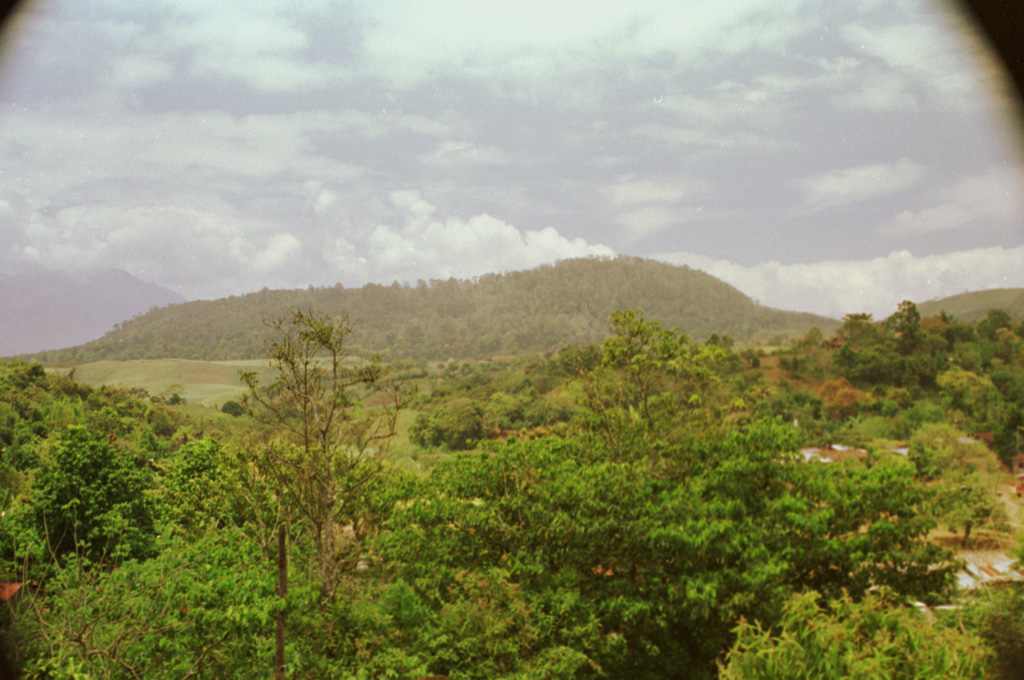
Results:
199 489
232 408
645 573
326 444
859 330
965 476
968 394
970 502
651 383
995 320
457 426
93 499
197 609
906 323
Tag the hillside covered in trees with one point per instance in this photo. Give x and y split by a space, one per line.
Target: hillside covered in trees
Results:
643 507
974 306
539 310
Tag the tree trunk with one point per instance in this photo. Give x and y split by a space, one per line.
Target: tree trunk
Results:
327 545
282 592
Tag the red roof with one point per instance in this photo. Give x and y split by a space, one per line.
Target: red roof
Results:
7 590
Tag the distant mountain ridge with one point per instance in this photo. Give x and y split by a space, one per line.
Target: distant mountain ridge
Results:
532 311
45 310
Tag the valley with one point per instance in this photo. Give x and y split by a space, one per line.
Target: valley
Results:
442 511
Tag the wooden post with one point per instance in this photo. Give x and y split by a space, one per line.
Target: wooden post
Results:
282 592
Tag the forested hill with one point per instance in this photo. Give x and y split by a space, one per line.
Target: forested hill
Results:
975 305
538 310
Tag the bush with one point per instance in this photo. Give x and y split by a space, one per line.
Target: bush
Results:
853 640
92 499
457 427
232 408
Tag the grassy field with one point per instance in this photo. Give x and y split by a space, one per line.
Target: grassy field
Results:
208 383
212 383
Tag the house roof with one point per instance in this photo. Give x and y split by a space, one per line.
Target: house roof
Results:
836 453
8 590
984 568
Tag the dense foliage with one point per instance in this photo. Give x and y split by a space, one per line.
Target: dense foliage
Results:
648 507
846 640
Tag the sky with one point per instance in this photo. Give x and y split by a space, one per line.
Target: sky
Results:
832 157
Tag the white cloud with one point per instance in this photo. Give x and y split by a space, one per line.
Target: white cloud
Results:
644 221
852 185
514 103
320 198
876 91
139 71
452 152
260 46
525 43
706 140
646 206
876 286
427 247
974 201
629 190
282 250
202 248
174 148
929 53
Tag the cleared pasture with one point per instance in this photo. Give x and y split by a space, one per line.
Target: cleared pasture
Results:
208 383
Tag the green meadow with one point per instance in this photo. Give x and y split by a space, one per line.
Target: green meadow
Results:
207 383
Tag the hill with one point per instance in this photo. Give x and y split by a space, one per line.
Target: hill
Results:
974 306
42 310
531 311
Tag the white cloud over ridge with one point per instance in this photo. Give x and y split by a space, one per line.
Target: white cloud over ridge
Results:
426 247
223 147
876 286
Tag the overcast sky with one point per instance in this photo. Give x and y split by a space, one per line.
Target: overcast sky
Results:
824 156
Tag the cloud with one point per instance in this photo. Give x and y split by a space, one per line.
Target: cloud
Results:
928 53
200 248
281 250
974 201
853 185
537 43
877 91
139 71
876 286
630 191
647 206
207 141
263 47
131 156
424 246
462 153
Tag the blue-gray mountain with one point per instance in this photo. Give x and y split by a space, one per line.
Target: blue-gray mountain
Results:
44 310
